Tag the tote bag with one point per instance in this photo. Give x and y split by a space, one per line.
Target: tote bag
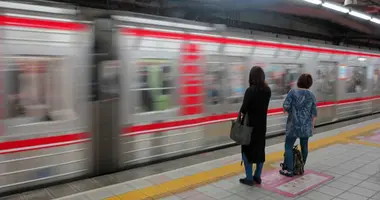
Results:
241 132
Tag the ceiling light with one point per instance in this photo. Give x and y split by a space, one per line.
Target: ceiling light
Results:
317 2
360 15
336 7
375 20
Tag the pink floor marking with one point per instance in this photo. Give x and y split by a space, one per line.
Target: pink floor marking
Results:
273 181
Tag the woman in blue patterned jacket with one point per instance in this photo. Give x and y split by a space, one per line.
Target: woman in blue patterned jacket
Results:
300 104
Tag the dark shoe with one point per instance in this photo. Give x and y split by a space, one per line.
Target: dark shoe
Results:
286 173
257 180
245 181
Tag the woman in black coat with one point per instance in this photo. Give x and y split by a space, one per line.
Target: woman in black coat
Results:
255 104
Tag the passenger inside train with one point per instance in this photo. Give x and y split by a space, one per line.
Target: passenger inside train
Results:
214 79
30 96
156 87
325 79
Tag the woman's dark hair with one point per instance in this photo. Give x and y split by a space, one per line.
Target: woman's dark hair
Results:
305 81
257 77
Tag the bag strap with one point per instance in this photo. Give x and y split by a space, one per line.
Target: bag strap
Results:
239 117
246 119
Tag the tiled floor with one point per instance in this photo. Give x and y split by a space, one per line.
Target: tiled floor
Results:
355 167
352 181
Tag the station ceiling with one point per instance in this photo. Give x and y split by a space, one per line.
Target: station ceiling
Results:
289 17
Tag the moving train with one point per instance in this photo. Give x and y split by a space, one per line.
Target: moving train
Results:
181 83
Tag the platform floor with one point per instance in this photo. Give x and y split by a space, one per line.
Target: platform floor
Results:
343 164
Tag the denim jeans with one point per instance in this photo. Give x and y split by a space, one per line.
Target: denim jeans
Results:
289 143
248 168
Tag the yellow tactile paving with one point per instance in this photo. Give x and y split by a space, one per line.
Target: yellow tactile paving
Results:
135 195
155 191
366 143
206 177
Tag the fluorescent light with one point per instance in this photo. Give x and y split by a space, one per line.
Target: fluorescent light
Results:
375 20
360 15
317 2
362 59
336 7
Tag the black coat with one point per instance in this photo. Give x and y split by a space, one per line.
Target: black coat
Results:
255 103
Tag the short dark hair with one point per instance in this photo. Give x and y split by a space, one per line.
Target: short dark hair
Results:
305 81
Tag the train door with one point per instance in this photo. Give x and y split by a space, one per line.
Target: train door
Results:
215 73
237 70
164 85
215 134
324 89
46 99
281 78
236 82
106 96
376 88
353 88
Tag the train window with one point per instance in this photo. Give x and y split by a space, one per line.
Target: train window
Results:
214 79
35 90
236 73
356 79
281 78
325 79
376 78
156 85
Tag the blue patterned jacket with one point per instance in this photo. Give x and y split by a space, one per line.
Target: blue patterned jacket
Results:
301 107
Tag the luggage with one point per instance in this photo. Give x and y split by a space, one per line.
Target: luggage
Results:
241 132
298 164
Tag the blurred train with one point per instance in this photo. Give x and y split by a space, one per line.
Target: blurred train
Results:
181 83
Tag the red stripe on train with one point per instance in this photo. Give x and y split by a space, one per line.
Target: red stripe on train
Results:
34 148
75 138
361 99
40 23
325 104
41 143
174 125
204 38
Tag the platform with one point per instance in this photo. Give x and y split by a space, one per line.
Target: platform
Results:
343 164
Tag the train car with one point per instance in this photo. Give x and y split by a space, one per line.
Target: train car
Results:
181 85
44 135
206 76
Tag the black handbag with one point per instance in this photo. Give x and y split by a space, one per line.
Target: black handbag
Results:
241 132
